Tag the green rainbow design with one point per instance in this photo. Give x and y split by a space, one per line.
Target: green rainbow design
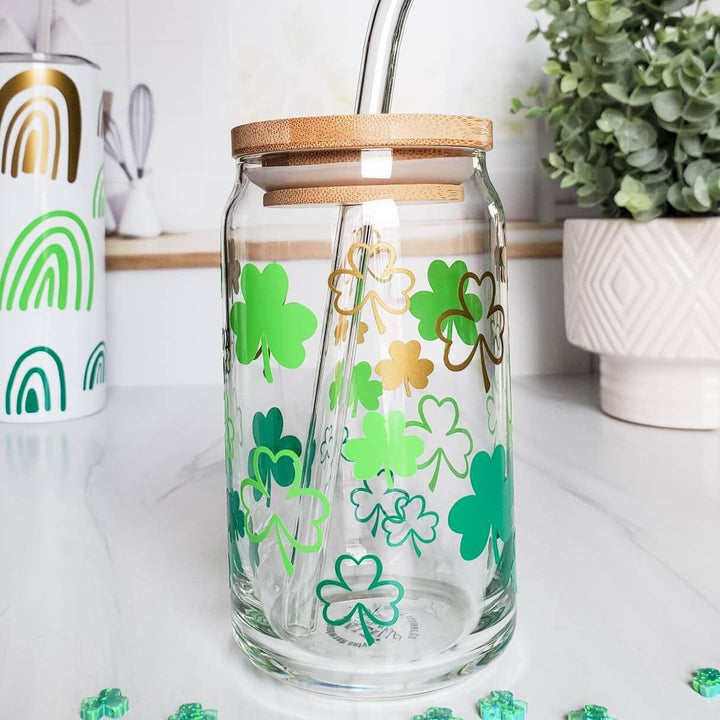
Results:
95 368
50 264
98 201
39 368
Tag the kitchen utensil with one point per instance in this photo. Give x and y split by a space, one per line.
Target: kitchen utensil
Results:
141 115
114 145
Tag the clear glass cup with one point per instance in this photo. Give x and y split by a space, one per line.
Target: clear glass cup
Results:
367 414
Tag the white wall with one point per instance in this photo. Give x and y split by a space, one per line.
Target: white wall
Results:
217 63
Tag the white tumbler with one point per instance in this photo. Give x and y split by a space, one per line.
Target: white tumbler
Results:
52 232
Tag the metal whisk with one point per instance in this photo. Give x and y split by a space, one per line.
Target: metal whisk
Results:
113 144
140 119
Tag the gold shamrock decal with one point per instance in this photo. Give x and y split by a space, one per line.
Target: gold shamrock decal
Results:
384 287
405 366
342 327
490 321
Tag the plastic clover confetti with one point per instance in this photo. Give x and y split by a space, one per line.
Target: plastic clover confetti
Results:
436 713
501 705
590 712
193 711
706 682
110 703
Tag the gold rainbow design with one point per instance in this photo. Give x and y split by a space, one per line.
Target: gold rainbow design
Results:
39 127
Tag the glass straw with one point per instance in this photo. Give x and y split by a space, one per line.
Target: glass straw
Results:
45 13
374 95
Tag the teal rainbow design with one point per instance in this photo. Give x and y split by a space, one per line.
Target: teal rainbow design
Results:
98 201
36 383
51 264
95 368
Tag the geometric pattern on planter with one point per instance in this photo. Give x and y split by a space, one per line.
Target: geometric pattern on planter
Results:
648 290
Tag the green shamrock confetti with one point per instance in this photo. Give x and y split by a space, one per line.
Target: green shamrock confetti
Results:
501 705
261 521
363 390
487 513
340 597
706 682
193 711
445 443
110 703
590 712
436 713
375 501
428 305
384 447
267 432
265 324
411 521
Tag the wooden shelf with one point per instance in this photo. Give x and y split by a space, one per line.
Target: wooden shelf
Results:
201 249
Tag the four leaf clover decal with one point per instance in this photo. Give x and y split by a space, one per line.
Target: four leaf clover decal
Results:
445 442
262 521
405 367
486 515
384 447
265 324
385 287
359 590
492 321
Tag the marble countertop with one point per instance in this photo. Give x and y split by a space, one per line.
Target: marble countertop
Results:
113 566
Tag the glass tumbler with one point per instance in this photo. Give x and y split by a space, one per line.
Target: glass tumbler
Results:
367 402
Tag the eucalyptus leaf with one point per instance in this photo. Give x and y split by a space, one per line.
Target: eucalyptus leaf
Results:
633 104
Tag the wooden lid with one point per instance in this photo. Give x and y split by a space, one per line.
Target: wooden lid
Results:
356 194
355 132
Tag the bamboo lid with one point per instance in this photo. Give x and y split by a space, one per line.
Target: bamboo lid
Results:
356 194
355 132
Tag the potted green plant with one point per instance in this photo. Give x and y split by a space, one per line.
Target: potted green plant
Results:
633 107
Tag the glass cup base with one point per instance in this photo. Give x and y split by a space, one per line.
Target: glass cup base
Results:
427 648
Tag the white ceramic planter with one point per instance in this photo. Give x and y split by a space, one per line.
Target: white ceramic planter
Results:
646 298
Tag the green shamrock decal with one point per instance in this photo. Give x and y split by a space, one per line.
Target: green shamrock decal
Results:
487 513
428 305
236 527
411 521
445 443
267 433
363 390
326 444
231 430
359 591
374 501
261 521
384 447
265 324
